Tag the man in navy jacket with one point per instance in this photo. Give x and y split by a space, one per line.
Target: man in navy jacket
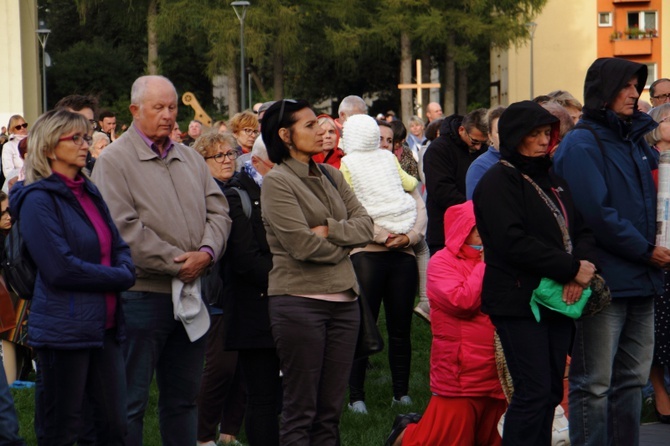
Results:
608 165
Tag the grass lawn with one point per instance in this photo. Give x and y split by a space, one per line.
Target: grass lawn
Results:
356 430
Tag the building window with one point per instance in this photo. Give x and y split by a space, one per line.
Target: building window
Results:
643 20
604 19
651 74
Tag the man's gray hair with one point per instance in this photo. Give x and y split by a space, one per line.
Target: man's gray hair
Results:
140 87
352 105
260 150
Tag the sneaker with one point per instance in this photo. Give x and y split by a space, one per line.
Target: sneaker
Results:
423 311
403 401
358 407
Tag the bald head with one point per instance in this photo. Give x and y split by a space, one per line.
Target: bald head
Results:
154 107
433 111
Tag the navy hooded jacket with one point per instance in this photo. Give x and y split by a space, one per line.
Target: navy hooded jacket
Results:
614 189
68 309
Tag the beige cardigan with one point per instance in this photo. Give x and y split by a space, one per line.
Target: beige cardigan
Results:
162 208
296 197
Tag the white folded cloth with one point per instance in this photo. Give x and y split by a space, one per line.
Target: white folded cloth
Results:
189 308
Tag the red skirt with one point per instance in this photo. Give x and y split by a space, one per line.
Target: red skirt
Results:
457 421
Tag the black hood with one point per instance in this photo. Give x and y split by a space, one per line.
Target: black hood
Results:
518 120
606 77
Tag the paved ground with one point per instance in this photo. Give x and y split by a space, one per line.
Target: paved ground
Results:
655 434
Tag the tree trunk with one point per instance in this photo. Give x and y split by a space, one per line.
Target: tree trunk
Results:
462 91
450 79
152 38
406 103
278 75
426 66
233 93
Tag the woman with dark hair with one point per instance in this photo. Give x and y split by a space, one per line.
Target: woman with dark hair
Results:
76 323
313 220
531 230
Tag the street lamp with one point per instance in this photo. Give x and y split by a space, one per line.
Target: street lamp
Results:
241 14
531 31
42 35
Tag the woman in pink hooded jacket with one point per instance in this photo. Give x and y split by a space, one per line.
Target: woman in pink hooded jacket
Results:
467 398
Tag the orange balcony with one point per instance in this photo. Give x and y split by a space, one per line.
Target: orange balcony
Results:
632 47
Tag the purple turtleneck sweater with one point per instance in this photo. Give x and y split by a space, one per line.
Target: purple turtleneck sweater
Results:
104 237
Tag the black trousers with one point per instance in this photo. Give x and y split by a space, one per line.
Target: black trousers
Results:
260 367
535 354
390 277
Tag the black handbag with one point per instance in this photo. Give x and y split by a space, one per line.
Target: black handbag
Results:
370 340
19 268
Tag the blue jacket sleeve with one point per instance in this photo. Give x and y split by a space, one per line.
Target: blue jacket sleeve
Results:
57 265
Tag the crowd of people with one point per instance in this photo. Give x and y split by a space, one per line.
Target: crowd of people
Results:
236 264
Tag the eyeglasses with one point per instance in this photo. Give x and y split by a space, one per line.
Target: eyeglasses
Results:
662 97
221 157
92 122
666 119
21 126
475 142
249 131
281 109
78 139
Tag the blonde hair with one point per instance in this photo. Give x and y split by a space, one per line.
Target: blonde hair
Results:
657 113
44 137
243 120
207 143
12 123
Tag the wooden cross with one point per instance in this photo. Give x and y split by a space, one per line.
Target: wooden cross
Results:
419 88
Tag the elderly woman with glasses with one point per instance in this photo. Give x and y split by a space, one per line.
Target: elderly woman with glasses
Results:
76 323
221 397
11 159
313 221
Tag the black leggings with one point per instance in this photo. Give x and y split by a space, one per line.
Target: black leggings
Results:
390 277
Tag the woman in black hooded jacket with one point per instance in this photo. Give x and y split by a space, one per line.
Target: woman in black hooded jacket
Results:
525 242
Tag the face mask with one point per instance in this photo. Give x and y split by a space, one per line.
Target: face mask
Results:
477 247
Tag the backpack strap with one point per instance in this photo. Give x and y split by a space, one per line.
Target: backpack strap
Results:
327 174
244 198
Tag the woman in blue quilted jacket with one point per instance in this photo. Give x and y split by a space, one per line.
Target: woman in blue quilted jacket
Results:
76 325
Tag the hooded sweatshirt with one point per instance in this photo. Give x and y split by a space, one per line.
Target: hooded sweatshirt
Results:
462 360
617 196
523 240
373 175
445 164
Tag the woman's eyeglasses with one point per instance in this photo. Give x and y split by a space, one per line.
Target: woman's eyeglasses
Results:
21 126
220 157
250 132
78 139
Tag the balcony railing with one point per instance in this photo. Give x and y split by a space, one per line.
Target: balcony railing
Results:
632 47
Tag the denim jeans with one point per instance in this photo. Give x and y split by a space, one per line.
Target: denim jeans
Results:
611 360
9 424
158 343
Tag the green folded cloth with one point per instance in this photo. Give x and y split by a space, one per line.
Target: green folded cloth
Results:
550 294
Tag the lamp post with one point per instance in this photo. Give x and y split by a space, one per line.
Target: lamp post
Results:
240 8
42 35
531 31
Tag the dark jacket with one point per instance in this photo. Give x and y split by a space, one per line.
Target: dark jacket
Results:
445 164
246 265
68 309
522 240
617 195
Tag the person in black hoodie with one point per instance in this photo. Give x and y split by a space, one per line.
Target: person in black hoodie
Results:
608 161
447 159
527 236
